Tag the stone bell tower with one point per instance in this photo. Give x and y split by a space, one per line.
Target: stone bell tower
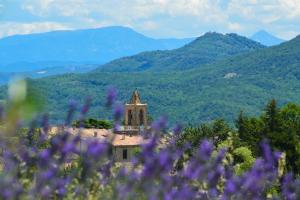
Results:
135 113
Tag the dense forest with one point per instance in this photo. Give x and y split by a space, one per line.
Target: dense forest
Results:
220 89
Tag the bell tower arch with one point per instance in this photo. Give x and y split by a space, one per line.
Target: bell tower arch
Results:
135 113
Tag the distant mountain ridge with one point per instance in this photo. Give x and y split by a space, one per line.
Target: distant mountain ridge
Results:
266 38
39 73
90 46
218 89
205 49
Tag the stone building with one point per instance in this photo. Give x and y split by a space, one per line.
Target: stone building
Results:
125 142
135 122
135 115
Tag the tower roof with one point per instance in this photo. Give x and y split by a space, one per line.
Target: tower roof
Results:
135 99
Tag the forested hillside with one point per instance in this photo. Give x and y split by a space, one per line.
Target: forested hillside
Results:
217 90
205 49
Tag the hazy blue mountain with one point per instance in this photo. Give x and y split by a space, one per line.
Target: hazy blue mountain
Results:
92 46
20 67
4 78
266 38
51 71
206 49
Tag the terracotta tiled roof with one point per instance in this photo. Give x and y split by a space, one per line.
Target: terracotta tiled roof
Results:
126 140
104 134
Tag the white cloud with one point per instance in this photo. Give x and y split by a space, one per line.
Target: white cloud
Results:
288 34
290 7
235 27
181 17
66 8
270 9
126 9
150 25
12 28
146 15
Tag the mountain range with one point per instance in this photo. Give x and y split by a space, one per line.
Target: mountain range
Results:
206 49
214 76
266 38
22 53
58 52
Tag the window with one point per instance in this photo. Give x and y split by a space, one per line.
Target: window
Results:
141 117
110 151
124 154
129 117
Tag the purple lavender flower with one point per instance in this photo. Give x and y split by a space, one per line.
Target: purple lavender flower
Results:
177 129
214 176
288 188
111 96
118 112
205 150
46 191
230 187
159 124
44 156
96 149
165 160
47 175
193 172
105 170
68 148
149 147
86 106
267 153
117 128
72 109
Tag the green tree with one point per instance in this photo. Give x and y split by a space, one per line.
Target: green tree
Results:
271 117
250 132
219 131
93 123
281 126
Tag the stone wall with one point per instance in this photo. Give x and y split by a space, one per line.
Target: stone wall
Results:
118 153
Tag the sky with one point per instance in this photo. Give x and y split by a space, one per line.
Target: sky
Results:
154 18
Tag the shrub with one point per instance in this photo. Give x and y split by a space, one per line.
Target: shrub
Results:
93 123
